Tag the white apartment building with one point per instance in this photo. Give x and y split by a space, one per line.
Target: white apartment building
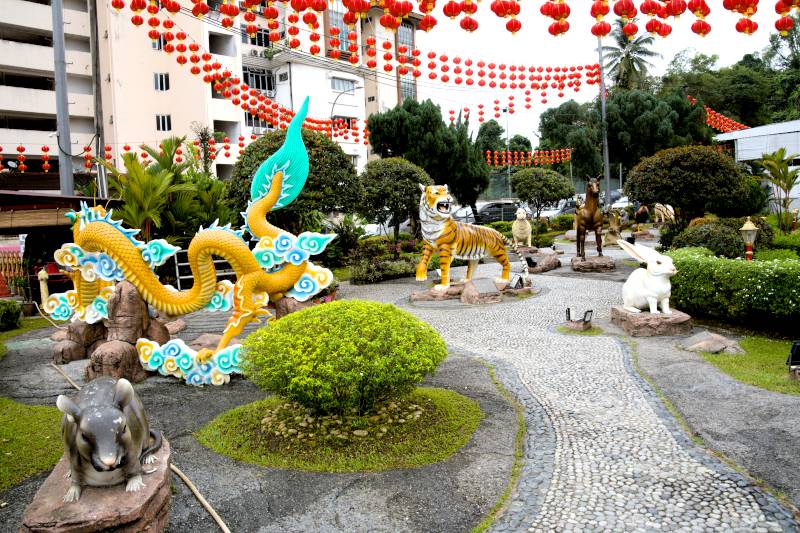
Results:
144 95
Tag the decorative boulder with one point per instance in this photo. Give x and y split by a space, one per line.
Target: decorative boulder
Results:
102 508
545 263
85 334
477 294
175 326
210 341
287 305
593 263
453 292
646 324
59 335
157 332
66 351
117 359
127 314
706 341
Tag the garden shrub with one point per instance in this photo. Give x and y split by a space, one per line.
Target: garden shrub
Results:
705 219
789 242
562 222
720 239
501 226
776 254
542 241
761 292
343 356
764 237
364 271
10 315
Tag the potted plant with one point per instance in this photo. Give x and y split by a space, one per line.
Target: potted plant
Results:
24 287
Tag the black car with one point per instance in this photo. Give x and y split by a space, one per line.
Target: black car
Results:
499 210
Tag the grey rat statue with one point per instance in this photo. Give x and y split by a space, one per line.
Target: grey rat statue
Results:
106 436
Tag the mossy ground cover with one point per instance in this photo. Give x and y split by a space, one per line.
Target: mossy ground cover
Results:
30 436
426 426
764 364
591 332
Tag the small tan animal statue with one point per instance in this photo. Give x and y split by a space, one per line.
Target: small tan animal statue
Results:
106 436
453 239
646 289
663 213
521 229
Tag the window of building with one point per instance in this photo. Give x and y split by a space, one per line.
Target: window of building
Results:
354 160
261 37
164 122
408 88
161 81
258 78
407 85
254 121
342 85
158 44
336 13
283 76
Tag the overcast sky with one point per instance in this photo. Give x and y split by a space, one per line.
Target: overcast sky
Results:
534 45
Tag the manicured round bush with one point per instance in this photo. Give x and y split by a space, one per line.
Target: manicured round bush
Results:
343 356
562 222
776 254
720 239
765 234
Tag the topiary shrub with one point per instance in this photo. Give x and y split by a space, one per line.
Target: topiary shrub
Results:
343 356
765 235
10 315
542 241
562 222
720 239
776 254
501 226
366 271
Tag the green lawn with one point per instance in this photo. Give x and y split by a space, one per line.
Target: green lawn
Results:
30 436
764 365
447 422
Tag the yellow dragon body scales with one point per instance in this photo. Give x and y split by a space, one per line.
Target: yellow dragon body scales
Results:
104 252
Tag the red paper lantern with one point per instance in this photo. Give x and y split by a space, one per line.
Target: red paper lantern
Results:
701 28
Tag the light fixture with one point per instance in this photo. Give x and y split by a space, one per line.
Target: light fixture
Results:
749 232
582 324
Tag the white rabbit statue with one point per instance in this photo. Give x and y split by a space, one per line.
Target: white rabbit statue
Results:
646 289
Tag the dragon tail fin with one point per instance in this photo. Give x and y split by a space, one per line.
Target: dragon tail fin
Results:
291 160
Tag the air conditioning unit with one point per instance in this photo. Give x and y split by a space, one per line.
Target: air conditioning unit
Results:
254 53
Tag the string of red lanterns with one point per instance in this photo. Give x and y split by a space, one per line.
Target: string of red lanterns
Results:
718 121
502 158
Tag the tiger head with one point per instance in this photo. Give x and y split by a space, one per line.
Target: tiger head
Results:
436 201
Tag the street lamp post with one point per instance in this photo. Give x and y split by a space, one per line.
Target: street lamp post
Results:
508 154
340 93
749 232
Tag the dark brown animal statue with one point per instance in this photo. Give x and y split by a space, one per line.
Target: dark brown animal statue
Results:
589 217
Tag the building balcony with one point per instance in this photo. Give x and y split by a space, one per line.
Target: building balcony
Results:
26 58
30 16
37 102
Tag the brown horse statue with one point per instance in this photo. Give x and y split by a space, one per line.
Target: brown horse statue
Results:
589 217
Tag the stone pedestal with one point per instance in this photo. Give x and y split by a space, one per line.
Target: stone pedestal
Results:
593 263
117 359
102 508
646 324
643 235
453 292
545 263
526 250
480 291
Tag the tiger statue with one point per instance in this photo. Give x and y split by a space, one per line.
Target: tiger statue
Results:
453 239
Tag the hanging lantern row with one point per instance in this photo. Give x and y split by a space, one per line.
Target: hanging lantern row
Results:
502 158
395 11
21 166
718 121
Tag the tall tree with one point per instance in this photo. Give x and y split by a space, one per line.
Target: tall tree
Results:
540 187
783 52
469 175
576 126
626 60
490 137
519 143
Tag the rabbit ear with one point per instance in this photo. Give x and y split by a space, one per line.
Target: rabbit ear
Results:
648 253
631 250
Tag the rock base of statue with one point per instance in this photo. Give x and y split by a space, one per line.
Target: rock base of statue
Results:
571 235
526 250
646 324
103 508
578 325
545 263
110 344
476 291
594 263
643 235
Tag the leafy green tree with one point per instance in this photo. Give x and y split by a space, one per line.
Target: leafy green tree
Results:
490 137
626 60
783 181
576 126
784 52
391 191
693 179
519 143
469 175
640 124
540 187
332 183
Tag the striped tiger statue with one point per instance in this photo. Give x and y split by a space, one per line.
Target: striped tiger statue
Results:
453 239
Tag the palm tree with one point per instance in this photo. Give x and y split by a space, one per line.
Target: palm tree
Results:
783 181
626 61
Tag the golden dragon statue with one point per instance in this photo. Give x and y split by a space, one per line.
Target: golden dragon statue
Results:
104 252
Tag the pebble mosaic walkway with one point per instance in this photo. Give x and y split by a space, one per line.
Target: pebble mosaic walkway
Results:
602 453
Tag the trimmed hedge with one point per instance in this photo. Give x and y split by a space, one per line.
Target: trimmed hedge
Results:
374 270
720 239
761 292
776 254
788 242
562 222
10 315
343 356
764 237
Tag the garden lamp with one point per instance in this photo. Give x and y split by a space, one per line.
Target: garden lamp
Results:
794 356
749 232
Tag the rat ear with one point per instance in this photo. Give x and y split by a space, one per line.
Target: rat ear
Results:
123 392
421 187
68 407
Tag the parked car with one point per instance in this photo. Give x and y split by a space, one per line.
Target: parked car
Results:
622 203
499 210
563 207
464 214
387 229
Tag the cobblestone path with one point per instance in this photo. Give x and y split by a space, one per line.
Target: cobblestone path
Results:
603 454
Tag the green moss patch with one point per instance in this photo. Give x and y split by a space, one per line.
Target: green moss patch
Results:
763 365
426 426
591 332
30 440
